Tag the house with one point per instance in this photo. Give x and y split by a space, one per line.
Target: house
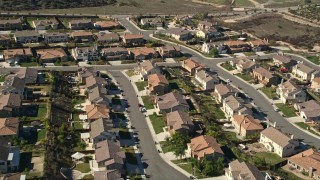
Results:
93 81
259 45
10 105
237 46
9 158
9 128
205 25
315 84
5 40
10 24
55 37
152 22
107 175
283 61
171 102
146 68
169 51
80 24
206 80
13 84
85 53
246 125
178 34
158 84
183 20
107 38
246 65
191 66
279 143
143 53
222 91
83 73
107 25
204 145
180 121
133 39
291 93
109 156
82 36
13 176
309 111
51 55
264 76
15 56
307 163
98 95
26 36
302 71
102 129
208 33
208 47
97 111
29 75
235 105
243 170
45 24
115 53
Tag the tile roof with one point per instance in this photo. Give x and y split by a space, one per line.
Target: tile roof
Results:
316 80
4 37
133 36
96 111
157 79
108 175
99 126
86 72
10 100
45 22
13 81
307 159
171 100
277 137
147 65
108 150
177 31
94 80
81 33
205 76
224 89
10 21
52 53
204 145
304 68
310 108
283 59
9 53
143 51
107 24
108 37
80 21
9 126
234 103
97 93
168 48
114 49
234 43
245 171
179 119
30 73
190 63
26 33
247 122
263 72
55 34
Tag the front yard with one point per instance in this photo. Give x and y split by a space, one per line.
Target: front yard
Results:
158 123
141 85
83 167
227 66
287 110
245 77
130 73
269 91
148 102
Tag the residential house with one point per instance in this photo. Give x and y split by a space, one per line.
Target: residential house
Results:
85 53
45 24
264 76
115 53
143 53
259 45
97 111
208 33
315 84
26 36
279 143
191 66
246 126
291 93
102 129
152 22
5 40
106 38
107 25
208 47
13 176
158 84
169 51
83 73
284 61
133 39
98 95
180 121
222 91
206 80
302 71
171 102
80 24
237 46
107 175
306 163
243 170
9 128
309 111
93 81
15 56
178 34
29 75
183 20
55 37
204 145
146 68
10 24
10 105
246 65
51 55
82 36
235 106
9 158
205 25
13 84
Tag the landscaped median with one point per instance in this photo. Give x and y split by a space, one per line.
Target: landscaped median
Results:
287 110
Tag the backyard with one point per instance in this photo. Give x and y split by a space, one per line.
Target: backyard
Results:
270 158
287 110
158 123
83 167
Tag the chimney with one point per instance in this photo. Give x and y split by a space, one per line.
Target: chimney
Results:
292 136
275 124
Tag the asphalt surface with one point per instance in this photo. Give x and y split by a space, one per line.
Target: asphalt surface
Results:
156 167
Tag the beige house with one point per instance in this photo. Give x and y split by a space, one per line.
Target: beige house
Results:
169 51
222 91
146 68
97 111
45 24
26 36
102 129
115 53
264 76
245 65
315 84
204 145
10 24
55 37
107 25
258 45
180 121
178 34
143 53
15 56
206 80
9 128
171 102
10 105
246 125
234 105
80 24
279 143
303 72
191 66
309 111
242 170
51 55
82 36
284 61
158 84
291 93
133 39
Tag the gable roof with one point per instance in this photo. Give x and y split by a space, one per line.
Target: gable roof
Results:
310 108
171 100
9 53
224 89
248 122
99 126
263 72
204 145
245 170
283 59
205 76
108 175
10 100
108 150
108 37
277 137
307 159
29 73
9 126
142 51
81 33
51 53
94 80
96 111
12 81
147 65
26 33
304 68
107 24
179 119
97 92
133 36
157 79
190 63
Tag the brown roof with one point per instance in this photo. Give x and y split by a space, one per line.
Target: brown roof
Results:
13 81
146 65
143 51
245 171
265 73
26 33
171 100
304 68
133 36
30 73
234 43
190 63
283 59
316 80
258 42
114 49
80 21
86 72
97 111
109 150
81 33
52 53
45 22
247 122
204 145
178 120
9 53
107 24
310 108
10 21
100 126
9 126
168 48
4 37
108 37
157 79
224 89
277 137
307 159
107 175
10 100
94 80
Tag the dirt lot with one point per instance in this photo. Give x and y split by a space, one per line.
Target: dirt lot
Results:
275 28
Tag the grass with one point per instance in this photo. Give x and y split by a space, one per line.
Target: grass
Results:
2 78
166 146
84 167
269 91
79 100
141 85
130 73
227 66
270 158
287 175
158 123
288 111
314 59
245 77
41 134
148 102
42 112
187 166
28 64
78 126
302 125
65 63
88 176
124 133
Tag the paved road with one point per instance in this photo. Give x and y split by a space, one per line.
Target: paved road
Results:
259 100
157 167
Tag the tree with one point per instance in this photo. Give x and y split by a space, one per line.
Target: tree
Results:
179 141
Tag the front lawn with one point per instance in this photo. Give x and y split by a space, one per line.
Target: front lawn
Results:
130 73
227 66
269 91
141 85
158 123
28 64
187 166
166 146
302 125
2 78
41 134
287 110
245 77
83 167
270 158
148 102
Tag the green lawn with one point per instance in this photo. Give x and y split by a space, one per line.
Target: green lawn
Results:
245 77
227 66
65 63
148 102
88 176
141 85
157 122
41 134
269 91
287 110
42 112
270 158
28 64
166 146
314 59
84 167
79 100
302 125
130 72
2 78
187 166
78 125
